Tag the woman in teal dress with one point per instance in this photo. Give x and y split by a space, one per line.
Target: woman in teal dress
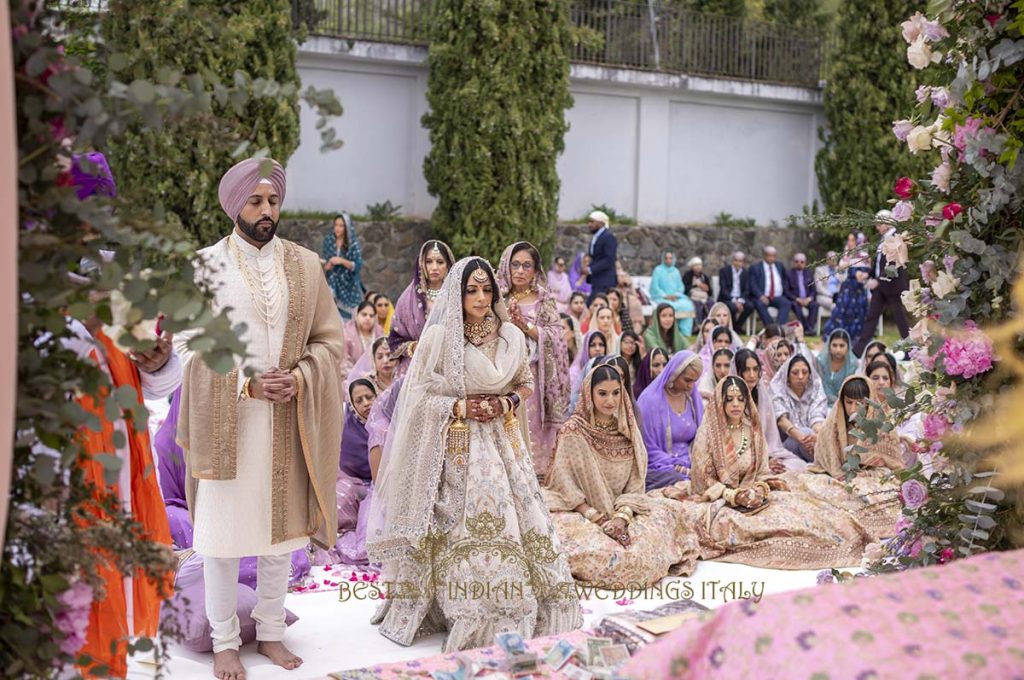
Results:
667 287
342 258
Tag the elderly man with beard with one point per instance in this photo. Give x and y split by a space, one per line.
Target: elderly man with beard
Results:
261 442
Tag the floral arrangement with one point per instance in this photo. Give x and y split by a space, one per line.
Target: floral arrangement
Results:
962 226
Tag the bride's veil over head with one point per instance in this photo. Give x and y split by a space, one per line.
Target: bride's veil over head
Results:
409 477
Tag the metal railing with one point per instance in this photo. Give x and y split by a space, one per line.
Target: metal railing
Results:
648 36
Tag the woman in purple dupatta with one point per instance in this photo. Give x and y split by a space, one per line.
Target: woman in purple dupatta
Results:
651 366
354 488
671 411
577 279
534 310
432 265
171 474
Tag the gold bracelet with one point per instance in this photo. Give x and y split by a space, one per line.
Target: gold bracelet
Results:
623 516
247 389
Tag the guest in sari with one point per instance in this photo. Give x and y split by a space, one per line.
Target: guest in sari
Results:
670 412
377 366
704 334
774 358
720 366
629 349
800 409
720 313
534 311
633 306
379 422
836 363
342 258
699 286
558 284
578 310
840 432
360 332
667 288
416 301
651 366
354 487
664 331
748 367
457 475
577 278
605 322
872 351
619 310
600 300
612 533
385 310
851 306
721 338
744 514
594 345
572 337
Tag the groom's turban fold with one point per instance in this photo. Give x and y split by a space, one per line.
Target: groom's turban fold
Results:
237 184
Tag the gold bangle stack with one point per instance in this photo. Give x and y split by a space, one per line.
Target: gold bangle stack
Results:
623 516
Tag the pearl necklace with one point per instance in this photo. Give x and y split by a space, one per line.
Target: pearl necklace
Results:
431 293
266 285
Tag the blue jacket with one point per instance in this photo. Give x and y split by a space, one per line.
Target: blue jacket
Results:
603 275
756 280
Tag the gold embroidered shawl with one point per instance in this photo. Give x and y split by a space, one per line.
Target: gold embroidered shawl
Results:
830 451
307 430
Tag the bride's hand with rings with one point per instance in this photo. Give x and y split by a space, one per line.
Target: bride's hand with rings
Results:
483 408
616 529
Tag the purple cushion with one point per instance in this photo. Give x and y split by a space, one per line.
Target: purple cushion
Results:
188 608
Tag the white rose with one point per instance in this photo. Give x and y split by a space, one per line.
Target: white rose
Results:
919 54
945 284
919 139
941 176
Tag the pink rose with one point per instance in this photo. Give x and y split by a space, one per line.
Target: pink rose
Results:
902 211
946 555
935 426
913 27
916 548
904 187
951 210
913 494
968 355
901 128
993 19
962 132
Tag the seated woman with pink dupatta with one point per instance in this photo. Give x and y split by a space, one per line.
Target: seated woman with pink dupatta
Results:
612 533
744 513
360 333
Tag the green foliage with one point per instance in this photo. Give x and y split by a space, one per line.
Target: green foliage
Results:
249 45
724 219
383 212
614 216
870 81
728 8
802 14
497 90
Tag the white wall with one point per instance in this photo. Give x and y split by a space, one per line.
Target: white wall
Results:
663 149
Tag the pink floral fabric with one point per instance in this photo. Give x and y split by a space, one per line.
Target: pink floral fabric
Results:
959 620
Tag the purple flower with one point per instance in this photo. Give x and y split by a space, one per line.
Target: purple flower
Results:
914 494
940 97
901 128
934 31
825 576
902 211
73 620
922 93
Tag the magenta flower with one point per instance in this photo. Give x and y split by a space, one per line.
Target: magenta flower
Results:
946 555
935 426
950 210
904 187
73 620
968 355
963 132
913 494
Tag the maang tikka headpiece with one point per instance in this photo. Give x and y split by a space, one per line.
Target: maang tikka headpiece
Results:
733 390
480 276
436 250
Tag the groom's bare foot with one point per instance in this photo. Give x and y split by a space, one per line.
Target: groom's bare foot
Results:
227 665
279 654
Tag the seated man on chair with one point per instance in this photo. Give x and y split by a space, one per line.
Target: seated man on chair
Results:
732 289
766 279
802 294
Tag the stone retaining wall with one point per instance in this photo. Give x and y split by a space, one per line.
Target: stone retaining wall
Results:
389 250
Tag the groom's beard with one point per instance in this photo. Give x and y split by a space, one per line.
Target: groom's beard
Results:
261 231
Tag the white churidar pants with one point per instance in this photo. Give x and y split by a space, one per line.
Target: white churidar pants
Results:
221 576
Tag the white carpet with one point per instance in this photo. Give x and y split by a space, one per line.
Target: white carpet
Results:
332 635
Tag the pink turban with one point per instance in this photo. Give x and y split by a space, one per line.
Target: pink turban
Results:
237 184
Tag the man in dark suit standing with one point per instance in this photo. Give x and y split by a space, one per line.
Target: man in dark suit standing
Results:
886 284
767 281
802 293
733 290
601 273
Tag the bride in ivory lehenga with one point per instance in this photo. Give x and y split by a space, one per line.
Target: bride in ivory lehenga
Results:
746 514
614 534
458 521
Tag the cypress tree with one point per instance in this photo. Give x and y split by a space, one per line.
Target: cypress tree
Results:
869 84
498 89
180 167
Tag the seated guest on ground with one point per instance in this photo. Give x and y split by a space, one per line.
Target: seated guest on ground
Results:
612 533
733 291
872 351
379 422
577 278
670 411
360 332
578 310
667 288
774 356
599 300
377 366
767 282
699 286
370 295
354 490
748 367
632 303
604 321
664 331
840 432
619 310
835 363
760 341
594 345
827 282
884 374
719 313
704 334
622 366
721 338
385 310
802 295
651 366
558 284
733 477
883 371
572 337
800 408
720 366
629 349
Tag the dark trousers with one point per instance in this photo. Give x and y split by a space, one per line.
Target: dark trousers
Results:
739 319
885 296
780 303
808 316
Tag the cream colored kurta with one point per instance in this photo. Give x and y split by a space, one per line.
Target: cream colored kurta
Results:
233 517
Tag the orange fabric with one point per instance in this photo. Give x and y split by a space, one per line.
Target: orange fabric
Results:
108 622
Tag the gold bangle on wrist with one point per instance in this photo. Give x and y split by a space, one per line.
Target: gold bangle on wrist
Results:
623 516
247 388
